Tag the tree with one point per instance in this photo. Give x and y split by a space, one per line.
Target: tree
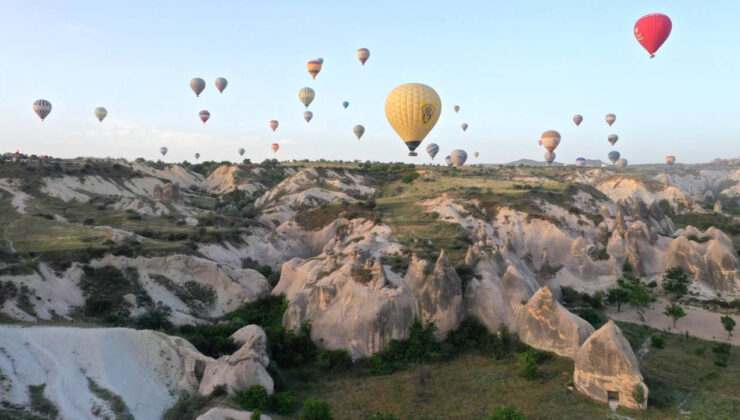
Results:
640 296
506 412
675 283
675 312
729 325
617 296
315 409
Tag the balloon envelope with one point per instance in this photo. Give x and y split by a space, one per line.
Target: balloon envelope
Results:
432 150
314 67
578 119
476 154
670 160
622 162
241 151
652 31
306 96
549 157
100 113
457 108
448 160
581 162
412 110
363 54
42 108
613 138
197 156
274 124
204 115
610 118
163 150
464 126
550 139
459 157
345 104
307 116
274 147
221 84
197 85
613 156
359 131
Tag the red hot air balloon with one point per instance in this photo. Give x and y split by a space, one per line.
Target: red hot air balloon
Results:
652 30
204 115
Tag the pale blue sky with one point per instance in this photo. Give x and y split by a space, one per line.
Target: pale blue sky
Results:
516 68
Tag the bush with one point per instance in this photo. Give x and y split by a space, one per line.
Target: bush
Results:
721 354
638 393
506 412
410 177
315 409
283 403
420 347
252 398
381 416
528 365
333 360
473 336
256 415
657 341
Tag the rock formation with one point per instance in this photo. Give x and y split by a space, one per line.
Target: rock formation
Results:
606 369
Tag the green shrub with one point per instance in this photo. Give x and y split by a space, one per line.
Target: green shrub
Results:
256 415
40 403
315 409
657 341
254 397
333 360
638 393
506 412
283 403
410 177
420 347
381 416
721 354
528 365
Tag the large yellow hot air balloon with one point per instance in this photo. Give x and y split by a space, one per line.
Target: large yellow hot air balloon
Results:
314 67
550 139
670 160
306 96
412 110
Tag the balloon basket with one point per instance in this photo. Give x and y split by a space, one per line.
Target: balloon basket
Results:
413 154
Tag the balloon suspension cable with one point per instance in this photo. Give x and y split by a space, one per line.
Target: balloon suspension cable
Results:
652 55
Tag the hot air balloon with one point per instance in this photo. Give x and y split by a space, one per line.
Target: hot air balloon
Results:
580 162
197 156
457 108
412 110
221 84
448 161
204 115
345 104
459 157
359 131
274 124
613 138
432 150
670 160
42 108
307 116
197 84
100 113
613 156
476 154
610 118
363 54
163 150
549 157
314 67
320 60
539 142
464 126
550 139
275 147
621 163
578 118
306 96
241 151
652 30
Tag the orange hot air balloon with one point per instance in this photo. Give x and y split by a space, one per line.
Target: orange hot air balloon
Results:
550 139
652 31
363 54
314 67
274 124
275 147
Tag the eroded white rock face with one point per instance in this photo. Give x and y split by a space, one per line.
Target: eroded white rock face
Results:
545 324
606 369
224 413
150 371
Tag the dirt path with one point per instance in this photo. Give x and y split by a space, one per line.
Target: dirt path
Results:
698 322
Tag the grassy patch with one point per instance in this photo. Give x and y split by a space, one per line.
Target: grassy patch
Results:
39 402
115 402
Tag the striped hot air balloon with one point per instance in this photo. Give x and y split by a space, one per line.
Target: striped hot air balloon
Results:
363 54
314 67
274 124
459 157
464 126
610 118
550 139
163 150
613 138
221 84
577 119
549 157
100 113
204 115
432 150
308 115
42 108
412 110
580 162
359 131
241 151
613 156
457 108
621 163
448 161
197 156
306 96
670 160
274 147
197 85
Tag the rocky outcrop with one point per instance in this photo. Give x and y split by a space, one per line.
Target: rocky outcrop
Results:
437 292
170 193
607 370
545 324
246 367
148 370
